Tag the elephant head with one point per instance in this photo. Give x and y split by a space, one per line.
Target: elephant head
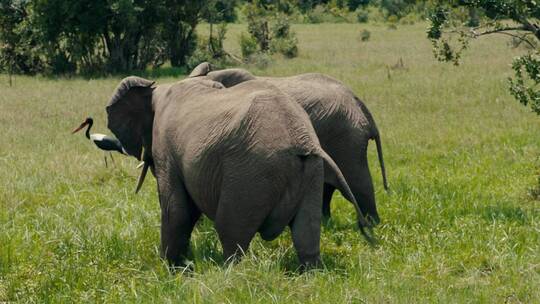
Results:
130 117
228 78
201 70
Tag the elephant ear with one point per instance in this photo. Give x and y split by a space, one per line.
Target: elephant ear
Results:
130 115
201 70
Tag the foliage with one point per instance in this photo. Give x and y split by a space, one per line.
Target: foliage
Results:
392 21
398 8
286 46
362 15
258 18
179 28
445 26
365 35
270 29
330 14
259 60
210 49
64 36
248 45
316 15
525 86
220 11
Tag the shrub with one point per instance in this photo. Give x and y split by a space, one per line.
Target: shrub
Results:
269 32
409 19
316 15
210 49
365 35
257 20
362 16
248 45
281 27
286 46
259 60
392 22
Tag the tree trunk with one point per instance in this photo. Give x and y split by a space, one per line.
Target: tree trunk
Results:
10 73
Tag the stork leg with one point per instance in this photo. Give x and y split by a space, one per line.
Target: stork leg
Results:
112 159
105 158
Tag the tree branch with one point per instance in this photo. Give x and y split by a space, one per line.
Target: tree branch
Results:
498 30
504 31
534 28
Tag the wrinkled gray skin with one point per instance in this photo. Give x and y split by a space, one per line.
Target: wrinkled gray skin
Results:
246 157
342 122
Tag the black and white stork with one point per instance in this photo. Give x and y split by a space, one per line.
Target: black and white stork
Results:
102 141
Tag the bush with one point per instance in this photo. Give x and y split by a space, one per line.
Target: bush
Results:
200 55
248 45
316 15
269 31
365 35
286 46
283 39
61 36
362 16
257 21
392 22
409 19
210 49
259 60
281 27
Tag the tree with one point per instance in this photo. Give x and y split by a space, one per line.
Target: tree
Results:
518 19
17 40
180 19
269 28
68 36
398 8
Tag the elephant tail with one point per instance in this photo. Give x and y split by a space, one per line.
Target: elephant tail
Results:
377 139
344 189
375 136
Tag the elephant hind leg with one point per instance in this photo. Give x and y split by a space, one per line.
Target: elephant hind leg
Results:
282 214
306 225
328 192
242 208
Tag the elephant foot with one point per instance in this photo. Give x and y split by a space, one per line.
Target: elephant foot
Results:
182 267
326 219
373 220
368 234
309 263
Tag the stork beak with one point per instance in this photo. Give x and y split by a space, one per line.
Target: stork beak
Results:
79 128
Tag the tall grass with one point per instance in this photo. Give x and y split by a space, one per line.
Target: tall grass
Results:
459 224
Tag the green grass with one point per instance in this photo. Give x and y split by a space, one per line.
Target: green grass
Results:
459 225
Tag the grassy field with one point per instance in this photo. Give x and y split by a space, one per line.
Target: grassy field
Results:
460 225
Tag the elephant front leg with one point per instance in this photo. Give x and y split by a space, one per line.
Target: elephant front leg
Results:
178 217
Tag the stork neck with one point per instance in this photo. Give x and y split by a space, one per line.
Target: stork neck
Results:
88 129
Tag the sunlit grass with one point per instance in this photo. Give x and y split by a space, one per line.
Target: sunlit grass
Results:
458 226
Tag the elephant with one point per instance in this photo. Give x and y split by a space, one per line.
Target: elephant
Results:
341 121
246 157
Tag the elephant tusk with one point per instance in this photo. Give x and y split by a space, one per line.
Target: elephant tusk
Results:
141 177
140 165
